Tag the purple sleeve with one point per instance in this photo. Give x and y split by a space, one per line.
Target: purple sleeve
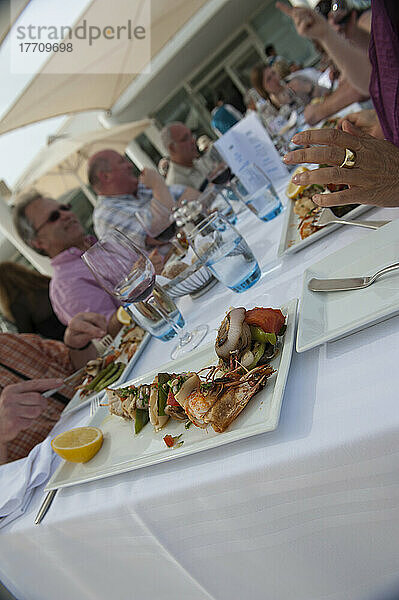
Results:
81 295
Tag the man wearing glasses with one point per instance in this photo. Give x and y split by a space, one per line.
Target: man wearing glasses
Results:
53 230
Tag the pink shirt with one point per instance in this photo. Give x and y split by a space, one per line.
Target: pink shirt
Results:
74 289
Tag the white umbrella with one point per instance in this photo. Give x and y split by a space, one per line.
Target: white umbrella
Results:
62 165
96 81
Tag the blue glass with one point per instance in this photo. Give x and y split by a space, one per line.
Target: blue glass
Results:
226 254
168 335
265 203
234 265
257 192
151 322
221 203
249 281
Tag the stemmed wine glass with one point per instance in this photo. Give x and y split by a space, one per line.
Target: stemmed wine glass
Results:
124 271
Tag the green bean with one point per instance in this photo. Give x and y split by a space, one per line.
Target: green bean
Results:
99 376
105 377
113 376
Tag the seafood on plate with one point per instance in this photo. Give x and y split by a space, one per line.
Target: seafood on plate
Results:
246 342
304 207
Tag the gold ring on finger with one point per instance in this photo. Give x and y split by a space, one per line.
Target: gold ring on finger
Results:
349 160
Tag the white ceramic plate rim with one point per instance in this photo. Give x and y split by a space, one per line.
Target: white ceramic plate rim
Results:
290 217
303 342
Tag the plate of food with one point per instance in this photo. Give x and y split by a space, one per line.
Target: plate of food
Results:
299 230
227 391
113 367
327 316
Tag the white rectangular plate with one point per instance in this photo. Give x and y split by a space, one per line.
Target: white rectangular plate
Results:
326 316
77 402
291 241
123 451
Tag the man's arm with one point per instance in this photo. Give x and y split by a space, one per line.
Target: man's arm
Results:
353 62
344 95
153 180
113 326
189 194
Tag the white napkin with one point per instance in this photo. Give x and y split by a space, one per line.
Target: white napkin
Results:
19 479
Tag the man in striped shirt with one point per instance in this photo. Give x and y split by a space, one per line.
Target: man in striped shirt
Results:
30 365
121 195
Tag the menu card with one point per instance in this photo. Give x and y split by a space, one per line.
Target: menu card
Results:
248 142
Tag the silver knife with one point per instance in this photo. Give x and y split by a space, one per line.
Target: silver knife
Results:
49 497
348 283
65 382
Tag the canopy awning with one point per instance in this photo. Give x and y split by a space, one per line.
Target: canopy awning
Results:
54 92
62 165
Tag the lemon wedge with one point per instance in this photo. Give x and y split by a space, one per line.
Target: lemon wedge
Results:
123 316
78 445
294 190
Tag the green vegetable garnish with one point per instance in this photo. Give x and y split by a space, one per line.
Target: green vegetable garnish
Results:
259 335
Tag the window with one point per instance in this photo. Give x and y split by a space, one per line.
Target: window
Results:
273 27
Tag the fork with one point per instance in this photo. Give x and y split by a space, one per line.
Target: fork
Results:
326 216
102 345
94 405
348 283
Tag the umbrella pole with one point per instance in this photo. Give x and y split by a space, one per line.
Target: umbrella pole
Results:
88 193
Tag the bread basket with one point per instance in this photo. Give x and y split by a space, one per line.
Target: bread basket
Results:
195 280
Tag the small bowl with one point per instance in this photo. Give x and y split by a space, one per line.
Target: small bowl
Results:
194 280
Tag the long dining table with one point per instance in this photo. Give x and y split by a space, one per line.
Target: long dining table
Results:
309 511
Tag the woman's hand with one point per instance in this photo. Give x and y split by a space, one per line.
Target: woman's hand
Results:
308 22
373 180
365 120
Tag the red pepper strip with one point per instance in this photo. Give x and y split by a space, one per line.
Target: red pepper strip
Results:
170 440
171 400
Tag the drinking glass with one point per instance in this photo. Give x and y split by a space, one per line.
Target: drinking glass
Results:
125 272
224 251
214 200
257 192
219 172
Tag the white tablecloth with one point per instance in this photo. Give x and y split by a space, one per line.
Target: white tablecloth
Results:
307 512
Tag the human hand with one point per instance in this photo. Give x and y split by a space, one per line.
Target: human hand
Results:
188 194
365 120
313 113
308 22
21 404
373 180
157 260
151 178
83 328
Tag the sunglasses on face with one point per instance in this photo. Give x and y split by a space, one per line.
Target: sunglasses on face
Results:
54 215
